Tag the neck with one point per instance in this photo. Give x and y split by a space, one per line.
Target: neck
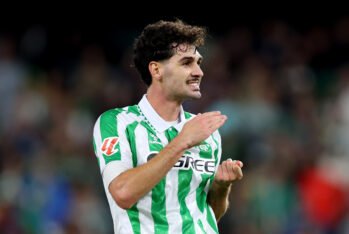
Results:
168 109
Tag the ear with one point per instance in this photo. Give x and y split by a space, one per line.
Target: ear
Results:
154 69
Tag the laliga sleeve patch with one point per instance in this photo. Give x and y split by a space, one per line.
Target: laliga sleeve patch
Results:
109 146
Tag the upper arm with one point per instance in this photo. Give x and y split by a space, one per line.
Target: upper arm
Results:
111 145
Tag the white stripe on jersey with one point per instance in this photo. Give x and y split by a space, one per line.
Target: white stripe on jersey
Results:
207 226
172 204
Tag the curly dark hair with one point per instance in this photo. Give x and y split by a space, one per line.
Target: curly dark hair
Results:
158 42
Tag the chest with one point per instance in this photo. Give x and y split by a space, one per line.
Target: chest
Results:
197 162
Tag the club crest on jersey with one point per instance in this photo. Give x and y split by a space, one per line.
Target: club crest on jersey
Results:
204 147
109 145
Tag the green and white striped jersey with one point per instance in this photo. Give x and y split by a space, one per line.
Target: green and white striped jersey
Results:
127 137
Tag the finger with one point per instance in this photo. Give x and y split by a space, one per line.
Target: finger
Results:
239 163
221 121
238 172
207 115
217 123
225 171
211 118
219 173
211 113
232 175
235 169
230 164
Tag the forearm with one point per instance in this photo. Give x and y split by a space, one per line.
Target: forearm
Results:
134 183
219 199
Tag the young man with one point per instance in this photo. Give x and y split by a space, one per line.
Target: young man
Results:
160 164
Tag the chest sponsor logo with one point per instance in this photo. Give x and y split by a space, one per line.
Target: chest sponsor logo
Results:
109 145
201 165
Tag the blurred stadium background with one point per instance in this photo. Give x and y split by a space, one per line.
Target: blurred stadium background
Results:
283 82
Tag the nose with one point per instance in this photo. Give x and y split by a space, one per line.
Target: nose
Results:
197 71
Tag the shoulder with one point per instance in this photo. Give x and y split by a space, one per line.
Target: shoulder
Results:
112 113
126 113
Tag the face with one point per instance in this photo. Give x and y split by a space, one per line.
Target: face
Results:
182 74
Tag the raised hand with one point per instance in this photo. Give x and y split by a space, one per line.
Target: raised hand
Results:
229 171
201 127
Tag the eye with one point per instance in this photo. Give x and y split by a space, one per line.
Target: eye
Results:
187 63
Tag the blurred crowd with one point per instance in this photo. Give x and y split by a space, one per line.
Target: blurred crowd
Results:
285 90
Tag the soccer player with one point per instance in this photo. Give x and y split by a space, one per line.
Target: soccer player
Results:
160 164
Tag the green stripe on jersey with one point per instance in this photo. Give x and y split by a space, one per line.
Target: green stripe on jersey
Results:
131 137
133 215
187 115
134 109
158 208
184 179
108 127
201 196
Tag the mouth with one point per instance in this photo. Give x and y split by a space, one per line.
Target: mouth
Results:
194 84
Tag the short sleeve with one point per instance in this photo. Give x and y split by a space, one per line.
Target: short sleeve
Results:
218 151
111 145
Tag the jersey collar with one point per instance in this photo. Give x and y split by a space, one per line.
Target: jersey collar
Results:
155 119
